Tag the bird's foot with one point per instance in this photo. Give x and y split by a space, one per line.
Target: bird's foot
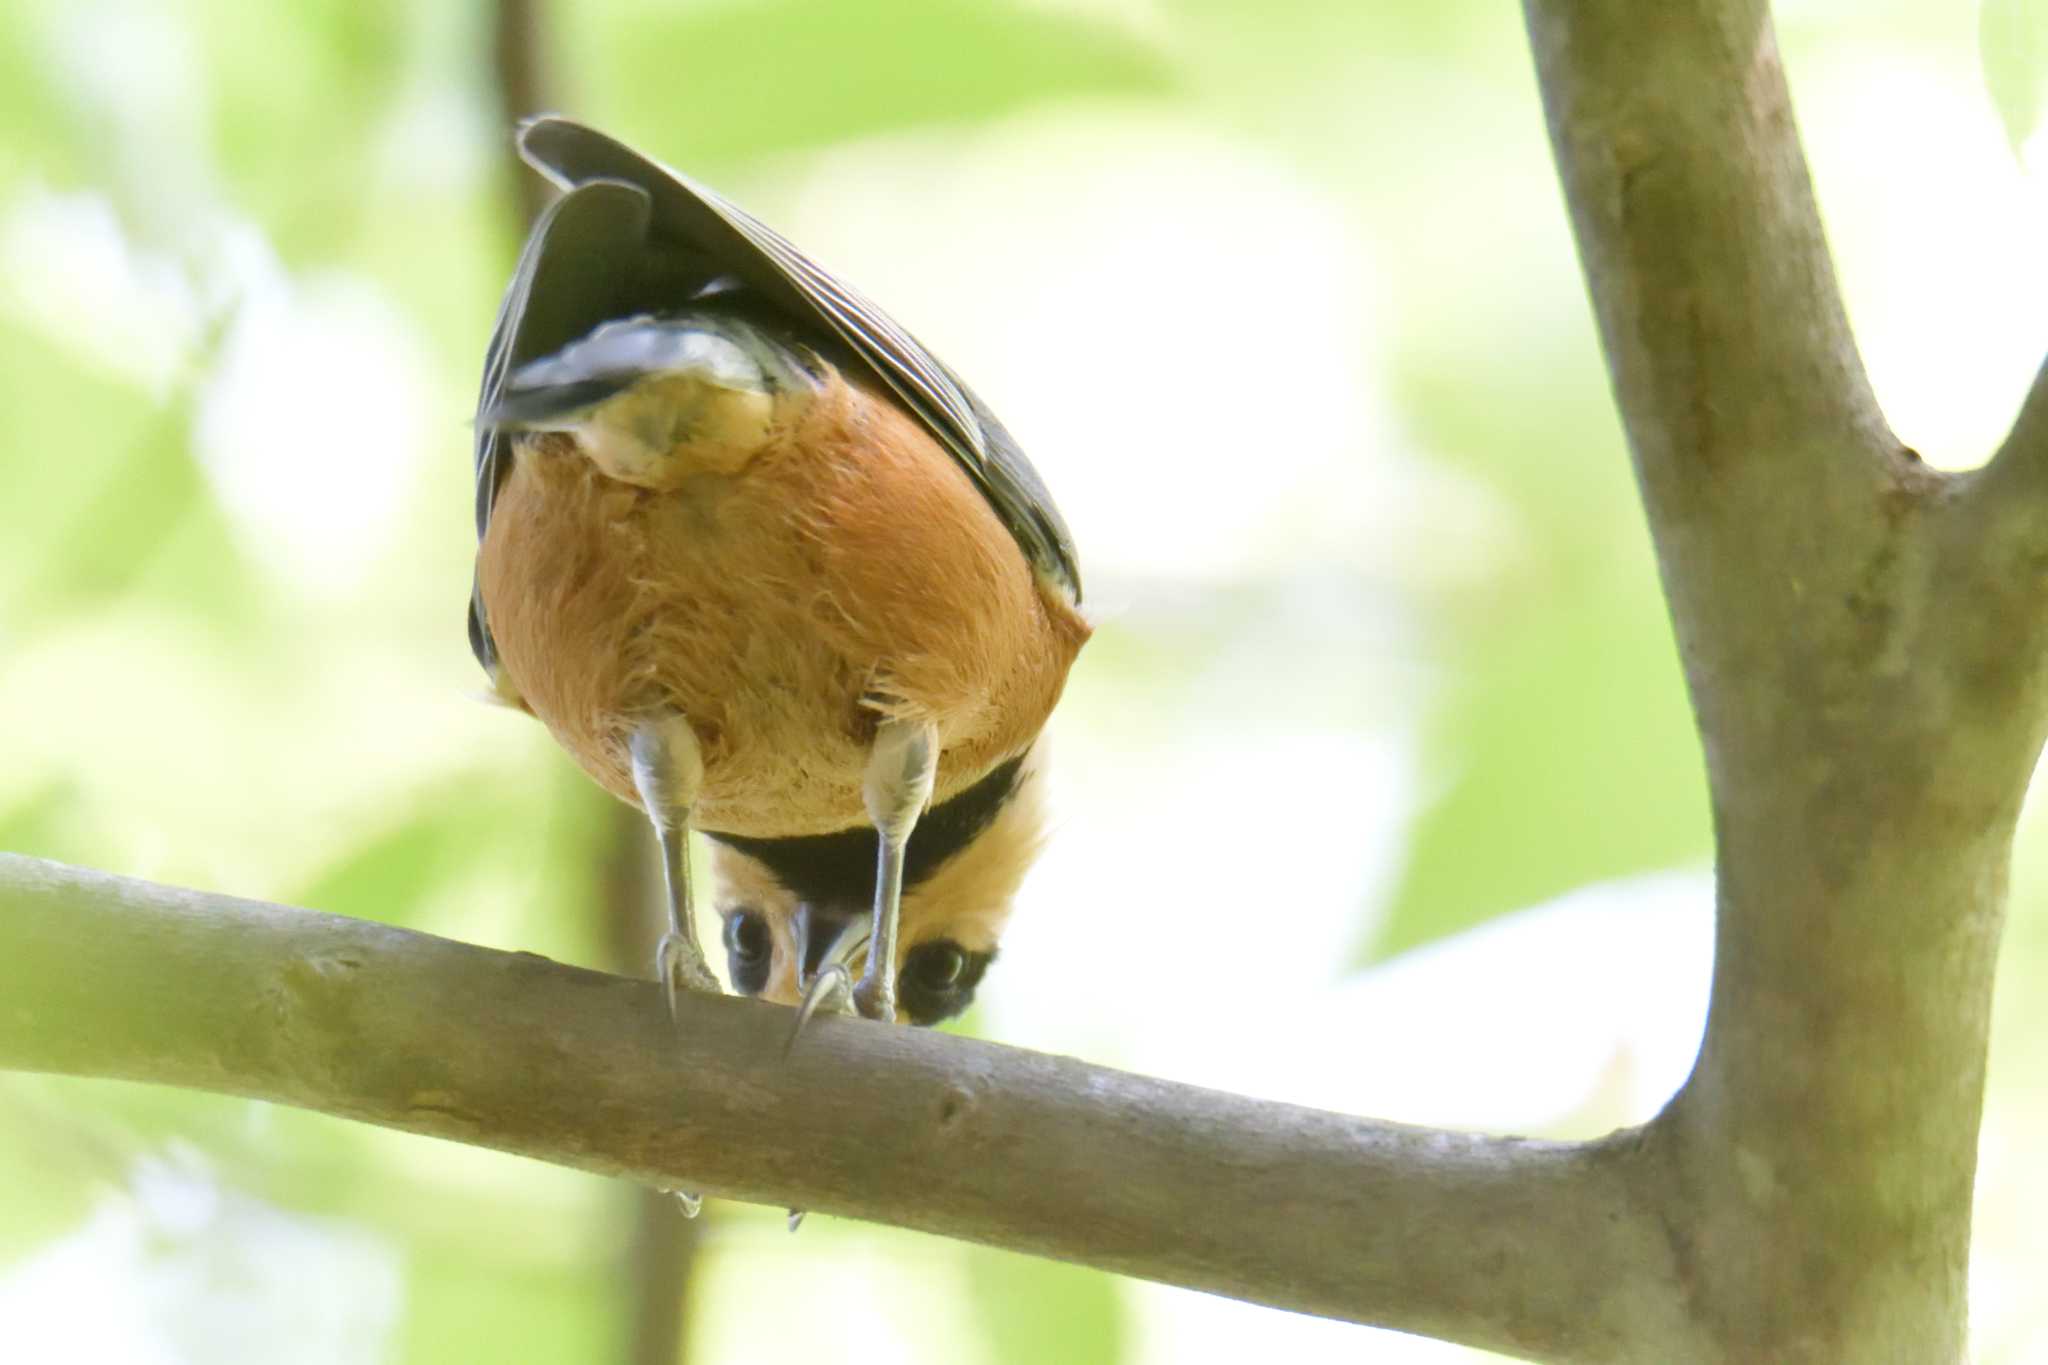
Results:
680 966
875 996
830 992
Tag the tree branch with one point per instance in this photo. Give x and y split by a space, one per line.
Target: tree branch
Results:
2027 442
1724 331
1862 644
519 63
2002 531
1513 1245
1849 638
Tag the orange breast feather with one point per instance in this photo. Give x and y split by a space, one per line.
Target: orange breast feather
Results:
849 569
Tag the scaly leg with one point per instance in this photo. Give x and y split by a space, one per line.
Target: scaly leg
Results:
898 786
667 772
896 789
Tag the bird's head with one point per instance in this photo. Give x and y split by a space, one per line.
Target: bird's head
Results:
794 906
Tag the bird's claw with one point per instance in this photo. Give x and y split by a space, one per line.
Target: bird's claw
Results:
831 990
681 970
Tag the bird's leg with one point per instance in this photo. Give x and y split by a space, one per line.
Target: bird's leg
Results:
896 789
668 770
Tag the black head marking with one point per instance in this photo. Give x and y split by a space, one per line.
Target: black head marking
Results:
839 868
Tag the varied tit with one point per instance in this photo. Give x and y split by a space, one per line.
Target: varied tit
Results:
767 569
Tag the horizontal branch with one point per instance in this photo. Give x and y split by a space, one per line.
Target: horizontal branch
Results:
1529 1247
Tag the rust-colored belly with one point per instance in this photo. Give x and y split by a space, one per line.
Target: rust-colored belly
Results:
849 569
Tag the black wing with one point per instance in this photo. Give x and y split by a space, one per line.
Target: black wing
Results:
631 236
577 268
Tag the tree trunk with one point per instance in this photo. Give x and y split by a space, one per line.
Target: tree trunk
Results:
1861 637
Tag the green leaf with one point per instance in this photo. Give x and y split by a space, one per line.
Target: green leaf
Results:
2012 41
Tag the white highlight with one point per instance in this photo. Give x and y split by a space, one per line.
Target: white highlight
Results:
184 1269
314 424
69 271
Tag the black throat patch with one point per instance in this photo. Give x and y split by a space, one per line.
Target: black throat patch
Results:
839 868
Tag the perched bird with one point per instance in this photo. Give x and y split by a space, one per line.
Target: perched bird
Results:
767 569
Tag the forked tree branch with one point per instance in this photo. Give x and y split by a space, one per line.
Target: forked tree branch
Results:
1530 1247
2027 442
1865 665
1863 640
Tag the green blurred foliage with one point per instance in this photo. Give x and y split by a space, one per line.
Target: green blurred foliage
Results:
111 530
1033 1311
309 751
720 84
2012 37
127 514
1566 747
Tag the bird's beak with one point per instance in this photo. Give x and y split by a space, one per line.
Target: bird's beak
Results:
826 937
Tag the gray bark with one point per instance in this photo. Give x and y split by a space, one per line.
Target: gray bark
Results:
1443 1233
1862 641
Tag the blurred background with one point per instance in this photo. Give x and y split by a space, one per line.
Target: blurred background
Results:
1381 739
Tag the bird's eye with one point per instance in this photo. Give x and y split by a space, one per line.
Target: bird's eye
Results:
746 936
938 980
936 966
748 947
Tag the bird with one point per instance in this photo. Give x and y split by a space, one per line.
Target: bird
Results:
770 571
